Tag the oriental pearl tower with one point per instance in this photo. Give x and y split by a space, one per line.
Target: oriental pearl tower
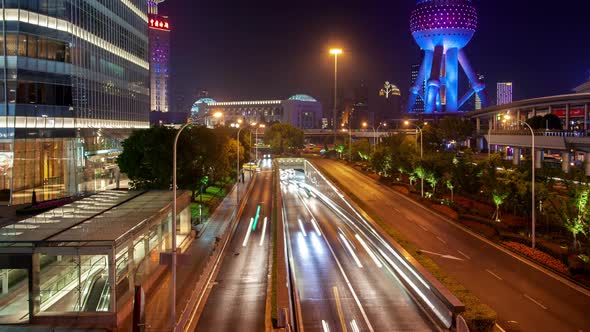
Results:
442 28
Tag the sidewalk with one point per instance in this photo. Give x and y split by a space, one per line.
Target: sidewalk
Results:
157 309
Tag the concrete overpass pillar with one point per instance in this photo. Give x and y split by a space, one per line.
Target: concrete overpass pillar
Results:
5 281
565 161
477 124
567 117
516 156
539 156
480 144
585 117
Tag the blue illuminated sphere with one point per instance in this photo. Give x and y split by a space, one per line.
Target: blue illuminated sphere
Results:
450 23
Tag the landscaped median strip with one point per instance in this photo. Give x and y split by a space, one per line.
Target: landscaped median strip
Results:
479 316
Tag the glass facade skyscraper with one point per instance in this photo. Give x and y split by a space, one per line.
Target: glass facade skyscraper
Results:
74 83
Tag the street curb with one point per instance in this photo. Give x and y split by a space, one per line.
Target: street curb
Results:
204 290
566 280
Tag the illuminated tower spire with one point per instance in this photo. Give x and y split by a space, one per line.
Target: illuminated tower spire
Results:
442 28
153 6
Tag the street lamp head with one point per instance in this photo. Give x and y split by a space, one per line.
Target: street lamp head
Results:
239 122
364 124
426 123
406 122
336 51
217 115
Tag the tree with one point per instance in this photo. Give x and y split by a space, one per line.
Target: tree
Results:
552 121
574 212
361 149
147 158
283 137
536 122
498 196
455 129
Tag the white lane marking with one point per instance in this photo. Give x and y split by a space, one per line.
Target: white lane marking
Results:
263 231
500 328
535 302
369 251
441 255
423 228
339 308
356 299
301 227
354 326
315 226
495 275
441 240
464 255
349 248
248 233
325 326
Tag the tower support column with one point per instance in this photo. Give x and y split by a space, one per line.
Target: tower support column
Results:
452 79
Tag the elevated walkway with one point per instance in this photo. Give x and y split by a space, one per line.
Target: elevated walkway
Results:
79 263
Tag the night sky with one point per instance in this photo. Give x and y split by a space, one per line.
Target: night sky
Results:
243 50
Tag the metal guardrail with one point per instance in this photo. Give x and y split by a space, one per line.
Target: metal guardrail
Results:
538 132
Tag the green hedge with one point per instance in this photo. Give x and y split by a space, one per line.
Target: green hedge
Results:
527 242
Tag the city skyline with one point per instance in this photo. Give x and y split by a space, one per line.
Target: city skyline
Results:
222 55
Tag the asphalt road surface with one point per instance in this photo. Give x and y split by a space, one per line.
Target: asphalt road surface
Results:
238 295
525 297
340 286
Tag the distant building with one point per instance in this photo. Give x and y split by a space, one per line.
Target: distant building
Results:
583 88
301 111
419 104
504 93
168 118
477 98
159 39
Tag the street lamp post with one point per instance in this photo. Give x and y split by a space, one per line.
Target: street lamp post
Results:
252 125
237 125
335 52
384 124
173 235
490 142
374 134
349 142
260 126
421 154
533 199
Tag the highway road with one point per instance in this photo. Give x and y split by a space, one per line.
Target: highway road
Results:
341 281
238 295
525 297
